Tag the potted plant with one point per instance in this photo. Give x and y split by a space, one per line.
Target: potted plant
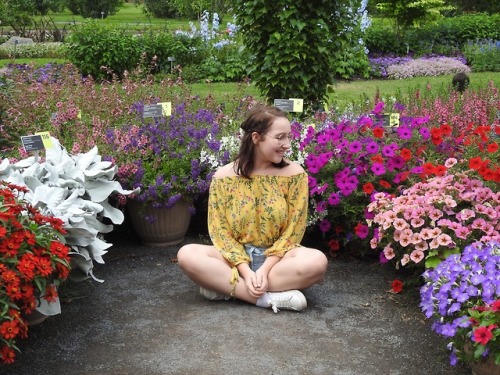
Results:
34 260
431 220
162 157
462 297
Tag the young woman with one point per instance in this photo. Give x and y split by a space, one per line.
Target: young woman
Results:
257 216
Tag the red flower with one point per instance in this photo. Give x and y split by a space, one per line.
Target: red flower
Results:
384 184
9 329
368 188
378 132
475 163
44 266
445 129
492 147
440 170
483 334
397 286
50 293
334 245
495 306
8 355
429 168
405 154
3 232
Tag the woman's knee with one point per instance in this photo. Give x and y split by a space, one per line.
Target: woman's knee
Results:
185 255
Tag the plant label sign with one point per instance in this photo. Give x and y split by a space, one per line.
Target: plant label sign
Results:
391 119
47 142
289 105
32 142
158 110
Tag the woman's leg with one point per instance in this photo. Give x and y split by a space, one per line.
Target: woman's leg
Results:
299 268
205 266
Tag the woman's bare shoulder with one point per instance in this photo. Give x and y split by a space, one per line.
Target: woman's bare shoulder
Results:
292 169
227 170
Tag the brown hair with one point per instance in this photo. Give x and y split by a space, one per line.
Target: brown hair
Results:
259 119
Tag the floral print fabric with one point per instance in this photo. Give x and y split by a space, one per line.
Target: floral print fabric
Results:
265 211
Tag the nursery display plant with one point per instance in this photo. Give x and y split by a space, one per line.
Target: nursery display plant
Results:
34 261
462 297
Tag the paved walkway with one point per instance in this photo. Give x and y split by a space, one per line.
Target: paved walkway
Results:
147 318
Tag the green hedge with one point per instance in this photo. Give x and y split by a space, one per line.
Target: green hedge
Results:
448 36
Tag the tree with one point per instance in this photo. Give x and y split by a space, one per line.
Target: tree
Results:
19 14
411 13
94 8
472 6
296 46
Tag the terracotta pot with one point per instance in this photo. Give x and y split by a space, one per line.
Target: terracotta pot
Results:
485 367
166 226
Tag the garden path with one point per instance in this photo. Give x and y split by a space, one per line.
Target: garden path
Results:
147 318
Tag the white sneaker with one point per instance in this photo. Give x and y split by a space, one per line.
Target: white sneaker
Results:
289 300
213 296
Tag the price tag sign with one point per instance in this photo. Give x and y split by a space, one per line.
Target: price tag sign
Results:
47 142
289 105
158 110
32 143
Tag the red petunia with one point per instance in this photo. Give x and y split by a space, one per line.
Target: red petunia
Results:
368 188
495 306
445 129
483 335
384 184
492 147
475 163
378 132
405 154
334 245
440 170
397 286
429 168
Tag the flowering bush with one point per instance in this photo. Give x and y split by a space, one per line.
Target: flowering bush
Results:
407 67
432 219
33 262
162 156
350 160
462 296
428 67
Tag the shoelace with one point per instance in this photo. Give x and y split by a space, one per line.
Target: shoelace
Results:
285 302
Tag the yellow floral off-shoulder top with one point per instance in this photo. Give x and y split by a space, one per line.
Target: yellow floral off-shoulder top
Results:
265 211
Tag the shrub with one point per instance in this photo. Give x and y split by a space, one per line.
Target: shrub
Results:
433 66
99 50
446 36
483 56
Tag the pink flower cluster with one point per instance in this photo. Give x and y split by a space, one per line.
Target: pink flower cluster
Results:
434 218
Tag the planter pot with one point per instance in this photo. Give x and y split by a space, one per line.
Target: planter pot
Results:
485 367
159 226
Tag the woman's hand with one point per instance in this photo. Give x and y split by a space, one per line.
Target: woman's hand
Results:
254 282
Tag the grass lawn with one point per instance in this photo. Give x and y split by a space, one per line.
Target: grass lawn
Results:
130 16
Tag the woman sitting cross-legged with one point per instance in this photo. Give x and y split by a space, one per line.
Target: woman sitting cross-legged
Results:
257 214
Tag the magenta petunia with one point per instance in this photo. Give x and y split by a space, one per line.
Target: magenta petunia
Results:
378 169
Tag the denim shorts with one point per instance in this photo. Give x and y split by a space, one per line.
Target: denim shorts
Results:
256 255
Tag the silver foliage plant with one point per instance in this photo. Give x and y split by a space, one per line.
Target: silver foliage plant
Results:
76 189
